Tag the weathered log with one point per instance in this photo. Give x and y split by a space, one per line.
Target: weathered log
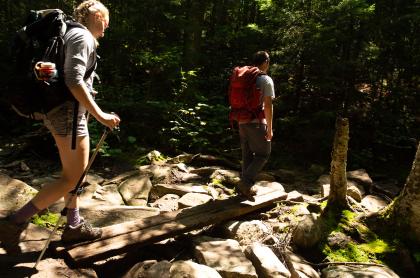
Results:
128 236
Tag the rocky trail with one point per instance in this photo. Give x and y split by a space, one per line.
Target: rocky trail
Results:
263 242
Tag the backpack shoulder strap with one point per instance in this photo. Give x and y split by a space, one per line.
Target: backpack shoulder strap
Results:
74 24
250 74
70 25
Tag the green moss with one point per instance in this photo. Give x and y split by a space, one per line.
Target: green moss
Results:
47 219
366 245
364 232
351 253
372 251
218 183
332 222
151 157
377 246
296 208
349 215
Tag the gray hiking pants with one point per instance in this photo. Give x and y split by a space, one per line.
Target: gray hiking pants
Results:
255 150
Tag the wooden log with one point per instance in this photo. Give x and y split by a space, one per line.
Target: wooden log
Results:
123 237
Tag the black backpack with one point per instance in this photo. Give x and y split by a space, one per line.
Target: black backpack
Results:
41 39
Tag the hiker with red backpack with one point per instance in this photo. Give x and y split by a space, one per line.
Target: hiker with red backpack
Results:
251 92
80 56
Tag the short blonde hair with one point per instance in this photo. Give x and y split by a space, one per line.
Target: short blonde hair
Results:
82 12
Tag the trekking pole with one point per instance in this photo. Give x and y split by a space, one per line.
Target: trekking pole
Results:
76 191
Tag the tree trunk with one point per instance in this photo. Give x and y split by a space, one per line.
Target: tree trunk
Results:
338 183
192 33
404 211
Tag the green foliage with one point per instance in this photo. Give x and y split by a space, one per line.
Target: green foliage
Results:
46 220
364 245
195 122
96 131
218 183
351 253
417 257
166 72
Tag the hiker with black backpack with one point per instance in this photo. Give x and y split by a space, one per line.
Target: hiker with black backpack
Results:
251 92
79 58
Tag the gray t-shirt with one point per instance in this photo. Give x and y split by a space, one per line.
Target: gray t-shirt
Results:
266 85
80 54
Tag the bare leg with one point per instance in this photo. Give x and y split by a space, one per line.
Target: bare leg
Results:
74 163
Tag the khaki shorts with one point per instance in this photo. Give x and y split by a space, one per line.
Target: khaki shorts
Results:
59 120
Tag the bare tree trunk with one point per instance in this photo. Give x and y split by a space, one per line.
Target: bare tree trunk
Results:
404 211
192 33
338 184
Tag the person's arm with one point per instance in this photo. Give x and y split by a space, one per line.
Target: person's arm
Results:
267 87
82 95
79 48
268 113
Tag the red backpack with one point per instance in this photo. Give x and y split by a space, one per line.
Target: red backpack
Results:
244 96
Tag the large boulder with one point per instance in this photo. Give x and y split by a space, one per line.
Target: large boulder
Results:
14 193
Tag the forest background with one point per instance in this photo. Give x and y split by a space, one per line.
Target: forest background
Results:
165 65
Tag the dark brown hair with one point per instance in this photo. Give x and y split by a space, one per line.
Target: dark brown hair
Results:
260 57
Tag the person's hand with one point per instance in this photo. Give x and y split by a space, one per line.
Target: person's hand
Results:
110 120
269 134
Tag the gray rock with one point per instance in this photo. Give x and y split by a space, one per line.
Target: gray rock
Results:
373 203
121 177
225 256
298 266
158 173
361 177
135 190
169 202
264 187
294 196
160 269
193 199
190 177
107 195
308 232
338 240
150 268
355 191
139 269
205 171
182 189
32 239
14 193
246 232
226 176
358 271
266 262
189 269
47 268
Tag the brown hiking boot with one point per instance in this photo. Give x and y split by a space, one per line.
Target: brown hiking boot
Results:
246 191
82 232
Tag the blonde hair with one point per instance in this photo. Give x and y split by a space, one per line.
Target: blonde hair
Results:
82 12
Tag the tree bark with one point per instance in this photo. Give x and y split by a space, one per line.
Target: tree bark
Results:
338 183
192 33
404 211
